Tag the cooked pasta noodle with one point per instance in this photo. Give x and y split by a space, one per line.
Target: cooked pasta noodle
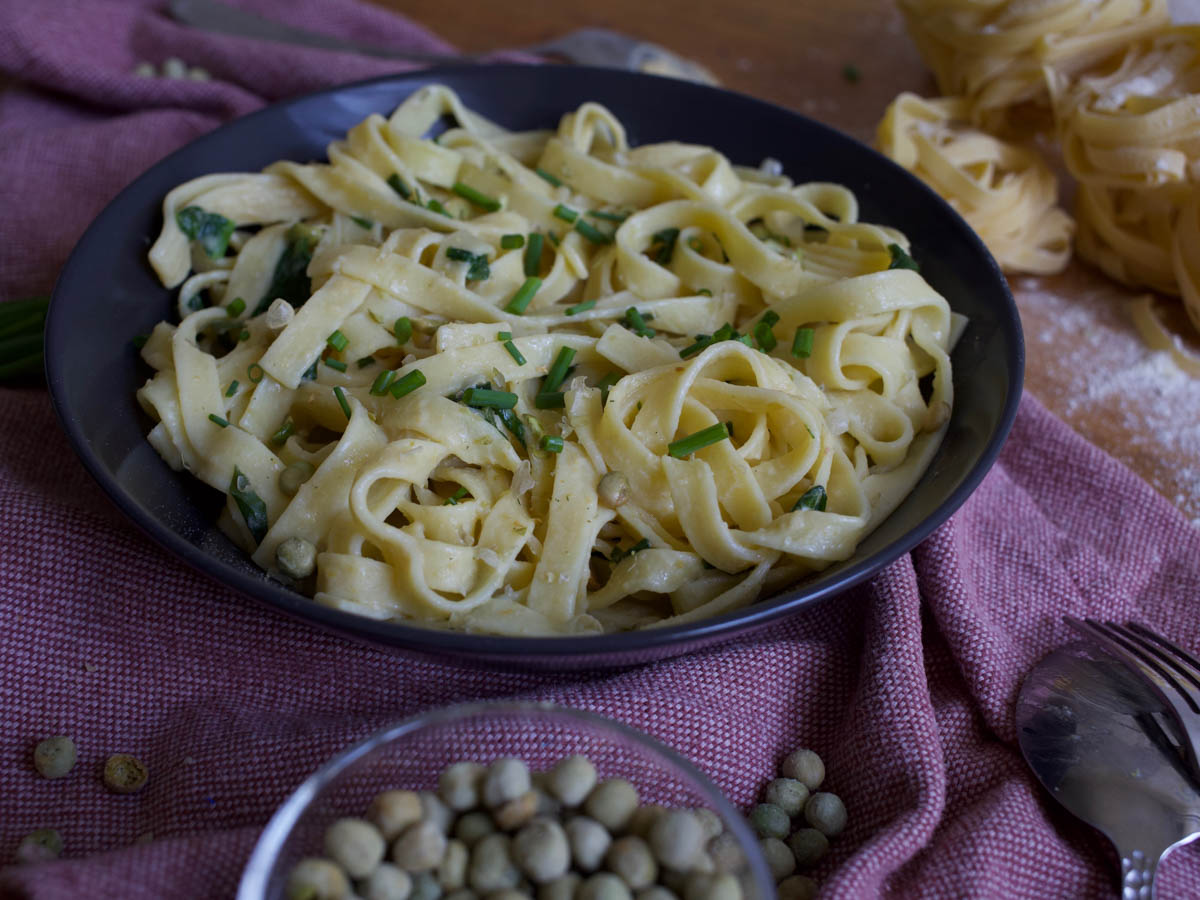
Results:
541 382
994 53
1005 192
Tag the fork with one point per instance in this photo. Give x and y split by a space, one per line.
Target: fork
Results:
1169 671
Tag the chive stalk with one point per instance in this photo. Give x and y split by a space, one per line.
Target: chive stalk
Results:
550 400
213 417
514 353
814 498
580 307
706 437
337 341
480 199
546 176
249 504
512 241
802 343
533 255
342 401
486 398
407 384
520 300
551 443
558 370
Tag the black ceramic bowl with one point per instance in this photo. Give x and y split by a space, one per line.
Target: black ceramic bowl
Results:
107 294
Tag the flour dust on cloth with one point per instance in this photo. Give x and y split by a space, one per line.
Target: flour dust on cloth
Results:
904 685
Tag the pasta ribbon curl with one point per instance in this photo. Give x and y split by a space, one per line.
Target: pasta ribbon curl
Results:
1005 192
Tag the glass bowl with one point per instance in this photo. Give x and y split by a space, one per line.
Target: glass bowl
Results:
411 753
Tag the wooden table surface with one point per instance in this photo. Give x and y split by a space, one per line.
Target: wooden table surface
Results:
1085 360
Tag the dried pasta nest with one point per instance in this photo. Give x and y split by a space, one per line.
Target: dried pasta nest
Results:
993 54
1006 192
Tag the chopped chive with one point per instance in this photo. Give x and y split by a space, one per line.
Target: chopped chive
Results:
140 340
479 271
236 308
542 173
362 222
704 292
480 199
337 341
380 385
251 373
686 446
565 213
765 336
814 498
592 233
550 400
212 230
608 216
901 260
702 341
364 362
483 397
232 389
213 417
618 554
637 323
436 206
244 334
554 238
453 499
513 424
520 300
336 364
662 245
802 343
514 352
605 383
397 184
249 504
580 307
533 255
403 330
311 372
851 73
770 317
551 443
504 335
286 430
512 241
407 384
342 401
558 370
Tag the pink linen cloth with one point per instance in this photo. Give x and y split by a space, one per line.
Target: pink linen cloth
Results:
906 685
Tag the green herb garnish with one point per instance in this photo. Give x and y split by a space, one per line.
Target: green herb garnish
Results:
550 400
565 213
512 241
814 498
514 352
407 384
342 401
235 308
453 499
480 199
662 245
336 365
802 343
533 256
637 323
337 341
479 270
397 184
232 389
706 437
520 300
213 417
483 397
558 370
403 330
212 230
592 233
362 222
901 260
551 443
249 504
580 307
286 430
290 280
542 173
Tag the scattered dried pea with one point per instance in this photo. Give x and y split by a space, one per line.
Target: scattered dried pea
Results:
123 774
808 846
826 813
630 858
611 803
788 794
317 879
770 821
42 845
387 882
804 766
356 845
296 557
55 756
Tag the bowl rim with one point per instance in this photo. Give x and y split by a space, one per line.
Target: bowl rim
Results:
256 873
605 649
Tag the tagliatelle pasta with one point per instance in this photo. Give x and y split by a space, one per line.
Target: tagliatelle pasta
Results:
994 53
1005 192
541 382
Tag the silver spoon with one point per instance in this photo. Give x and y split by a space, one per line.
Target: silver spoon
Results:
1100 742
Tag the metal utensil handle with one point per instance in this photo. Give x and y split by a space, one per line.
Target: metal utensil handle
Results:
1137 875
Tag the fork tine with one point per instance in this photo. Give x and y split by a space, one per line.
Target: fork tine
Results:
1152 657
1090 628
1178 657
